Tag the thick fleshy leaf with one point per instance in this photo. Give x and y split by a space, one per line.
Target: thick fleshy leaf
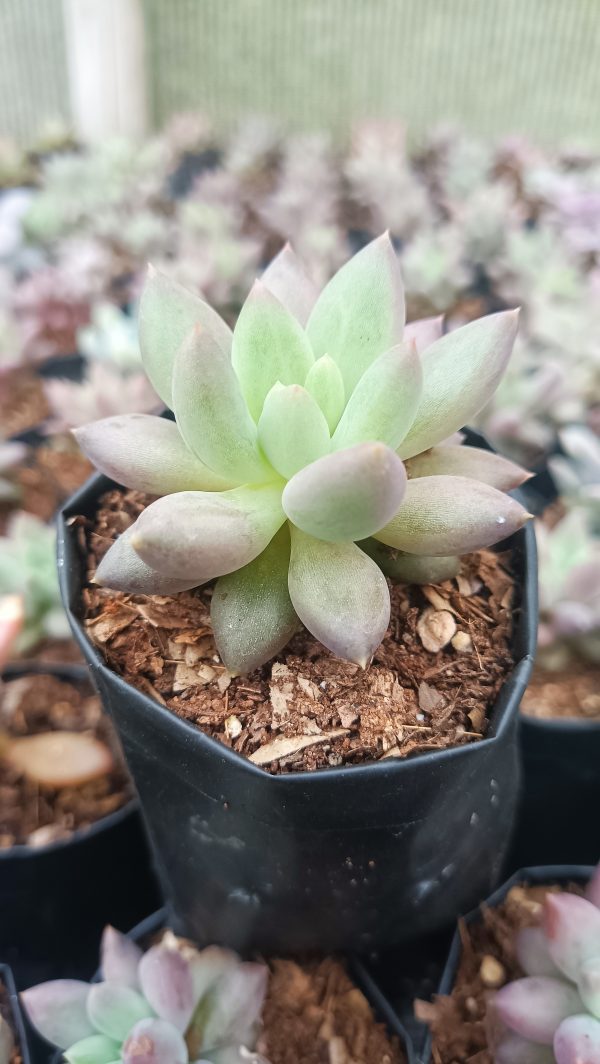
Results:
340 595
168 313
384 402
268 346
251 611
572 927
97 1049
325 383
146 453
424 332
122 569
288 281
451 515
577 1041
237 1006
533 1007
58 1010
347 495
360 312
593 888
410 568
119 958
211 412
167 985
473 462
532 952
516 1050
206 532
113 1009
154 1042
588 983
461 372
292 429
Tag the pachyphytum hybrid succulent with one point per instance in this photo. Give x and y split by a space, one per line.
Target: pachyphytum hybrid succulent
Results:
173 1004
28 568
553 1015
319 423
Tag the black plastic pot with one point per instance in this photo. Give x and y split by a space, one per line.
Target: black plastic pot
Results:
553 874
69 367
350 858
382 1008
561 790
56 899
16 1017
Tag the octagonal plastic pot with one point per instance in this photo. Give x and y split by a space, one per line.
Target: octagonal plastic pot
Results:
55 899
347 858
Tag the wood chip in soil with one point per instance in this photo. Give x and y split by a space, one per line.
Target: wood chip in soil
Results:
460 1025
430 686
315 1014
35 815
572 692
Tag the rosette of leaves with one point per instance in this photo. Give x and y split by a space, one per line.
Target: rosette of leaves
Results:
553 1015
173 1003
307 443
28 568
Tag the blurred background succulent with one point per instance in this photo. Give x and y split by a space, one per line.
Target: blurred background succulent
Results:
569 580
28 568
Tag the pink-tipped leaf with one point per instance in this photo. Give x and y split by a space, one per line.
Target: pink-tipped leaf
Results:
12 617
58 1010
577 1041
119 958
154 1041
451 516
472 462
424 332
288 281
384 402
167 984
237 1006
572 927
534 1007
122 569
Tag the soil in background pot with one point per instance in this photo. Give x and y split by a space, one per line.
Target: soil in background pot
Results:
431 683
47 476
23 402
572 692
458 1021
31 814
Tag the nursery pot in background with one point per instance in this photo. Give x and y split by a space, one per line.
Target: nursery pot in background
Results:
56 899
560 792
559 874
352 858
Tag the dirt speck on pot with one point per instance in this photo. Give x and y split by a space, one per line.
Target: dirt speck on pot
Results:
307 709
573 691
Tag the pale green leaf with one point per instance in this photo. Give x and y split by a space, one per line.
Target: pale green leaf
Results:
251 610
340 595
269 346
122 569
113 1009
288 281
360 312
292 429
325 383
405 568
460 374
383 404
97 1049
473 462
168 313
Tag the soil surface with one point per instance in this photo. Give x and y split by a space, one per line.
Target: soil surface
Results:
460 1025
571 692
23 401
35 815
314 1014
48 476
16 1057
430 686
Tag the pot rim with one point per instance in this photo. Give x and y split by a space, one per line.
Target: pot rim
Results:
560 725
22 851
518 676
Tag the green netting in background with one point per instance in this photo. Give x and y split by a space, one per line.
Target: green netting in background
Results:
492 65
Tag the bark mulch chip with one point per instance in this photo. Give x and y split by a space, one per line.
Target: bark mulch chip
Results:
461 1023
35 815
431 684
570 692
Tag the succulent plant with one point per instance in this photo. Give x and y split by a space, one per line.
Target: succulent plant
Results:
381 179
553 1014
169 1005
104 391
111 337
28 567
576 472
435 267
48 311
569 580
318 423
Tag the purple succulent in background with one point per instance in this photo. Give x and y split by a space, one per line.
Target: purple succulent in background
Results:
553 1014
49 312
105 391
172 1004
382 180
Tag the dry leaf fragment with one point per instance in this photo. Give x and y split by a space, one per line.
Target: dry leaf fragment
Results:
186 676
308 687
347 715
429 698
435 628
439 602
283 746
158 618
109 623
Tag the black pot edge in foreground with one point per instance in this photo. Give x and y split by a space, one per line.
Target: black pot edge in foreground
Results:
453 810
75 877
18 1022
381 1006
537 874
